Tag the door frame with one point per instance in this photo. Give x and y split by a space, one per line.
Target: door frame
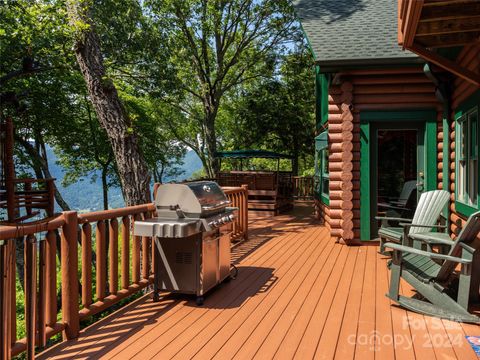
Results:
369 122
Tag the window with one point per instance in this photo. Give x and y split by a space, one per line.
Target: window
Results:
467 152
321 167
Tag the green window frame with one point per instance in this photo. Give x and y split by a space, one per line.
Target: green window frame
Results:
322 176
467 153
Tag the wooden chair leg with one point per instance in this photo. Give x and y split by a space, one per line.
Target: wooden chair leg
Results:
396 270
464 286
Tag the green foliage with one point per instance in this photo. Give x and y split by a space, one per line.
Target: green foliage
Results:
276 113
213 48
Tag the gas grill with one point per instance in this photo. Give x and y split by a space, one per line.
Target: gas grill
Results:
192 240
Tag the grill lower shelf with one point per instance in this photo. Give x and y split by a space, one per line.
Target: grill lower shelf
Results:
192 265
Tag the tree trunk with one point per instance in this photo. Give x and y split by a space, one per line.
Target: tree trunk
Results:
131 165
211 141
105 188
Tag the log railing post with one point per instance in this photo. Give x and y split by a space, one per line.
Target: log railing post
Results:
113 256
30 261
4 302
69 265
244 213
125 252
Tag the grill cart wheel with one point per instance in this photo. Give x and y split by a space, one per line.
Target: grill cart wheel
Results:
199 300
156 297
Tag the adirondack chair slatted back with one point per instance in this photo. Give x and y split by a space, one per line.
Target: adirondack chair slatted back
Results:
468 234
407 190
428 210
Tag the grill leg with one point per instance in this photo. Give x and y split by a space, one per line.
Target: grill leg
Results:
156 278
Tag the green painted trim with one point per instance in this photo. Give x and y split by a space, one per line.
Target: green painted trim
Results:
321 98
364 180
471 102
464 209
430 141
388 116
324 199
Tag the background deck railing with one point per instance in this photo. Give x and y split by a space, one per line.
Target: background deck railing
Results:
30 195
99 264
239 198
303 187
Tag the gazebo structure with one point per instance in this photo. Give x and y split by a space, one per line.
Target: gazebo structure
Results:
20 199
270 192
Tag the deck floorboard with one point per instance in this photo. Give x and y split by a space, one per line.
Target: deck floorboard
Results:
297 295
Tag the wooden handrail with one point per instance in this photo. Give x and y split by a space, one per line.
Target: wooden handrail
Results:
239 198
303 187
113 231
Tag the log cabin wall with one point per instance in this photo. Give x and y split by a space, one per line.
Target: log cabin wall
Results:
400 89
462 90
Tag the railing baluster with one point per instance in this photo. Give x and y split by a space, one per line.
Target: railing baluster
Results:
69 266
13 298
125 252
87 264
4 301
42 294
30 292
101 260
51 284
113 268
136 256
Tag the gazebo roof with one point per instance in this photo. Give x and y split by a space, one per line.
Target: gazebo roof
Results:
248 154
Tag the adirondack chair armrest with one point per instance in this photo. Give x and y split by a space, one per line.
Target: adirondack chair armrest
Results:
467 248
430 255
392 218
405 225
434 241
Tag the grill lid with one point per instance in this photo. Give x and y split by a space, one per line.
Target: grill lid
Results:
195 199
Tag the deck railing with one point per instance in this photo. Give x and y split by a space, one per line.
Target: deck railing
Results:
29 194
101 263
40 278
303 187
239 198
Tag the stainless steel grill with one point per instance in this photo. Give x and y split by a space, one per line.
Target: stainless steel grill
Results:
192 242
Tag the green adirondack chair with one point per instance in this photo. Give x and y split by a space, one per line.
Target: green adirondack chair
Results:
427 213
444 292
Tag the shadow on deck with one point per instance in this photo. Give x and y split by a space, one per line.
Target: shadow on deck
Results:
297 295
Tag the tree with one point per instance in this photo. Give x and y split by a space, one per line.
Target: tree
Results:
131 165
215 47
276 113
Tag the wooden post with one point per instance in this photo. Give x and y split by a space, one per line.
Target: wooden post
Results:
245 212
86 264
42 294
113 258
51 285
4 303
100 239
30 293
69 264
125 252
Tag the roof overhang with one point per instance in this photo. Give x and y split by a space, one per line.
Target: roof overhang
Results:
424 26
246 154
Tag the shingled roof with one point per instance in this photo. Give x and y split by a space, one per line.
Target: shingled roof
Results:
352 32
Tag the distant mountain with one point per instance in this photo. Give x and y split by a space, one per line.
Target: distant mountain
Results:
86 195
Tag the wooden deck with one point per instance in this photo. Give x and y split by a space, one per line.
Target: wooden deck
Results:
297 295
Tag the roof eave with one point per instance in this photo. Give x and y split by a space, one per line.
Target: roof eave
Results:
329 66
